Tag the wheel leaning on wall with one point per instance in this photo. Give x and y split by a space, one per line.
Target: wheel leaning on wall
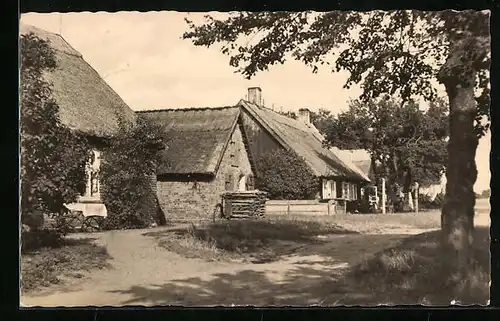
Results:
218 212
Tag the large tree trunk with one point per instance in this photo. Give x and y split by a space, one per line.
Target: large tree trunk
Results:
457 218
458 211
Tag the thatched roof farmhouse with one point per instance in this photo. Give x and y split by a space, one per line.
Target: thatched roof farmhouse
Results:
86 104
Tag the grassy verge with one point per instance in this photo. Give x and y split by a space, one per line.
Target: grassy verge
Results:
371 223
278 235
249 239
413 272
57 259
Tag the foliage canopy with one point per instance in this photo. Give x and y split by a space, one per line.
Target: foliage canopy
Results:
285 175
53 157
128 172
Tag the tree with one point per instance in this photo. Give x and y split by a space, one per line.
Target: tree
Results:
127 173
403 141
289 114
321 119
395 52
53 157
285 175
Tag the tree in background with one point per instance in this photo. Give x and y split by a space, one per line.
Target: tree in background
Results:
399 53
321 119
127 175
53 157
289 114
285 175
403 140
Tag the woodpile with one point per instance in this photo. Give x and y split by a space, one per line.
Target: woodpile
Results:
243 205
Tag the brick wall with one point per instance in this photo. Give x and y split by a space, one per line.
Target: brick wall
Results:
197 199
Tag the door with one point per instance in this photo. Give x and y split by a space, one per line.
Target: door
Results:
242 183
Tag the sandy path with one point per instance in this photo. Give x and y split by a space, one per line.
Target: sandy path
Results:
144 274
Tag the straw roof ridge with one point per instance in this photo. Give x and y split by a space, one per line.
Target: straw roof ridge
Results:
57 42
183 109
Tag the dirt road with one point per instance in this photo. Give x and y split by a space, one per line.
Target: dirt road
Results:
144 274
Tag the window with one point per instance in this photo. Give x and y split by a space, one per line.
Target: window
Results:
353 192
333 187
345 190
327 191
94 183
93 187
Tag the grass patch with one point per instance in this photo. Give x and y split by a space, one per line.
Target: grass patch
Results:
57 259
413 272
255 240
371 223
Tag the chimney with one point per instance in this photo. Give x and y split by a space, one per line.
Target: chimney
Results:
255 95
304 115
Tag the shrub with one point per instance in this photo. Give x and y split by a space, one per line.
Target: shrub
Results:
53 157
285 175
425 202
127 172
33 240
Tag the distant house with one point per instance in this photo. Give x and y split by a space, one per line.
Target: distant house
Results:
361 158
212 150
435 189
87 104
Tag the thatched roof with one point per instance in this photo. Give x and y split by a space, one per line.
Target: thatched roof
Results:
86 102
306 141
196 138
365 166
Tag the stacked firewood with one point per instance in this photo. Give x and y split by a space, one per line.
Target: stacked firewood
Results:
248 204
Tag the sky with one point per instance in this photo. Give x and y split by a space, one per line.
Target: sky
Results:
143 57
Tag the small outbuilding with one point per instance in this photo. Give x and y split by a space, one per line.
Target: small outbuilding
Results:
206 155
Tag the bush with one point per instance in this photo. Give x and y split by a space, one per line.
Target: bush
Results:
53 157
285 175
425 202
127 173
33 240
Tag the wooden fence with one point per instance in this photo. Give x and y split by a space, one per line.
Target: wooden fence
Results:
302 207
